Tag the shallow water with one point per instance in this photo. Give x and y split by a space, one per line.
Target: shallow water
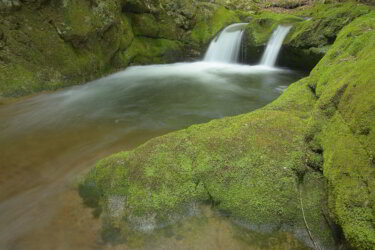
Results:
47 142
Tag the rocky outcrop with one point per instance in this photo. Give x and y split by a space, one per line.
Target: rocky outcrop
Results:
314 31
315 143
51 44
57 43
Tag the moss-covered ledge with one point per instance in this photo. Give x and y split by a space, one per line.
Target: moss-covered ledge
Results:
313 31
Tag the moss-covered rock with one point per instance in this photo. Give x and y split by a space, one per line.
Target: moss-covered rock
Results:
342 125
66 43
210 20
314 145
345 112
310 40
313 32
145 50
251 167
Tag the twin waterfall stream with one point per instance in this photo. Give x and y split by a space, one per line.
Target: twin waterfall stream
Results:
274 45
227 45
46 141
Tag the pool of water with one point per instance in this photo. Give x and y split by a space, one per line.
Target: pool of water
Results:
49 141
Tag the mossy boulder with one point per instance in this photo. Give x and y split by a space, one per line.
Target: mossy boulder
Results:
310 40
345 116
313 31
67 43
342 125
210 20
252 167
155 26
145 25
145 50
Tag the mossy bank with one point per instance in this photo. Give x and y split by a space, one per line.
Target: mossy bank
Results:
45 45
312 149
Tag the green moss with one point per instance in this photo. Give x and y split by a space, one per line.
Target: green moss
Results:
127 33
351 177
310 40
145 25
44 55
298 98
254 166
78 18
345 111
162 26
169 28
16 80
264 23
326 22
219 162
260 29
145 50
208 24
314 200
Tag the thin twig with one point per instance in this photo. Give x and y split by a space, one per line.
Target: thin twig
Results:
304 218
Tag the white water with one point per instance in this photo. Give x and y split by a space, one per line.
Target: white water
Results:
226 46
274 45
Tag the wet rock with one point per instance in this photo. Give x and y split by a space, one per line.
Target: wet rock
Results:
139 6
8 5
2 39
145 25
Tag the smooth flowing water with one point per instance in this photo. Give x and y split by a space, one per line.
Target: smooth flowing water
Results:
274 45
226 46
48 141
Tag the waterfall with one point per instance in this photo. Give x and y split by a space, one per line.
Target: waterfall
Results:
226 46
274 45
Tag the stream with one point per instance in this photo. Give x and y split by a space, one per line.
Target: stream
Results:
48 142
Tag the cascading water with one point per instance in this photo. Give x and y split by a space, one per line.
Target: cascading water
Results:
274 45
226 46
